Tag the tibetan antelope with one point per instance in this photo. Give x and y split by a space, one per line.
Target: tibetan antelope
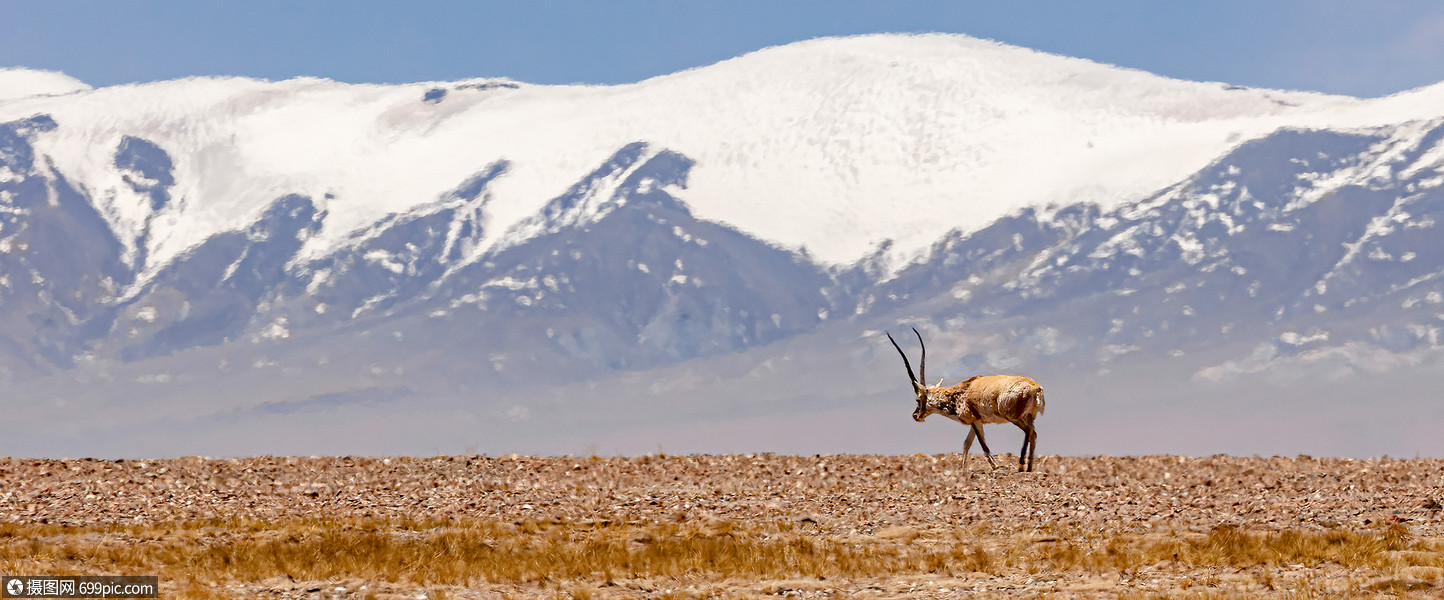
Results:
982 399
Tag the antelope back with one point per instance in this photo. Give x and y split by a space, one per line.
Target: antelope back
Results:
999 398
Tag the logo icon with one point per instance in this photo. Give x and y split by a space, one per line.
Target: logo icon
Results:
15 587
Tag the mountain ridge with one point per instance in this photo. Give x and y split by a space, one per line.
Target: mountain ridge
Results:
914 115
1298 240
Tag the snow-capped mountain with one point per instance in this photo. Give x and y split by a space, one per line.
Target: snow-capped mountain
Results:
311 245
1297 240
832 145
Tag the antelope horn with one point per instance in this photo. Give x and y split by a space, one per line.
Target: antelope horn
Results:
922 362
905 359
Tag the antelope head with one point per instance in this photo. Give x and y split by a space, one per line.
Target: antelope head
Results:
920 386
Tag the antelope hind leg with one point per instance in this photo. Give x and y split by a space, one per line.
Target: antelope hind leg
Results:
1023 454
1033 449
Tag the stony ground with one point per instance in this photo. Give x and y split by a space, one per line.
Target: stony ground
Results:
900 499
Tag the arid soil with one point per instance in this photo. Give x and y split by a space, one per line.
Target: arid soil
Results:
905 503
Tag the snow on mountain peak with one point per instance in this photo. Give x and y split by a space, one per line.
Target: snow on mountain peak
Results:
833 145
19 83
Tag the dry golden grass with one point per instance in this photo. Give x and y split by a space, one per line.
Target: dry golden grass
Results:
597 558
733 526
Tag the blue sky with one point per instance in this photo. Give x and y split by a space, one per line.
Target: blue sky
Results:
1358 48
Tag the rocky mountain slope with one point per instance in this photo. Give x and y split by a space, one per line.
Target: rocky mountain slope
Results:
216 250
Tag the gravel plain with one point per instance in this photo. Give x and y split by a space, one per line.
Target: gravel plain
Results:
893 499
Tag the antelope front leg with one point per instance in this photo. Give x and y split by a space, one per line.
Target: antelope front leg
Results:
968 447
978 429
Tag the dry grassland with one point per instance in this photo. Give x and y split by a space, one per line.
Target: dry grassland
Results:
734 527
